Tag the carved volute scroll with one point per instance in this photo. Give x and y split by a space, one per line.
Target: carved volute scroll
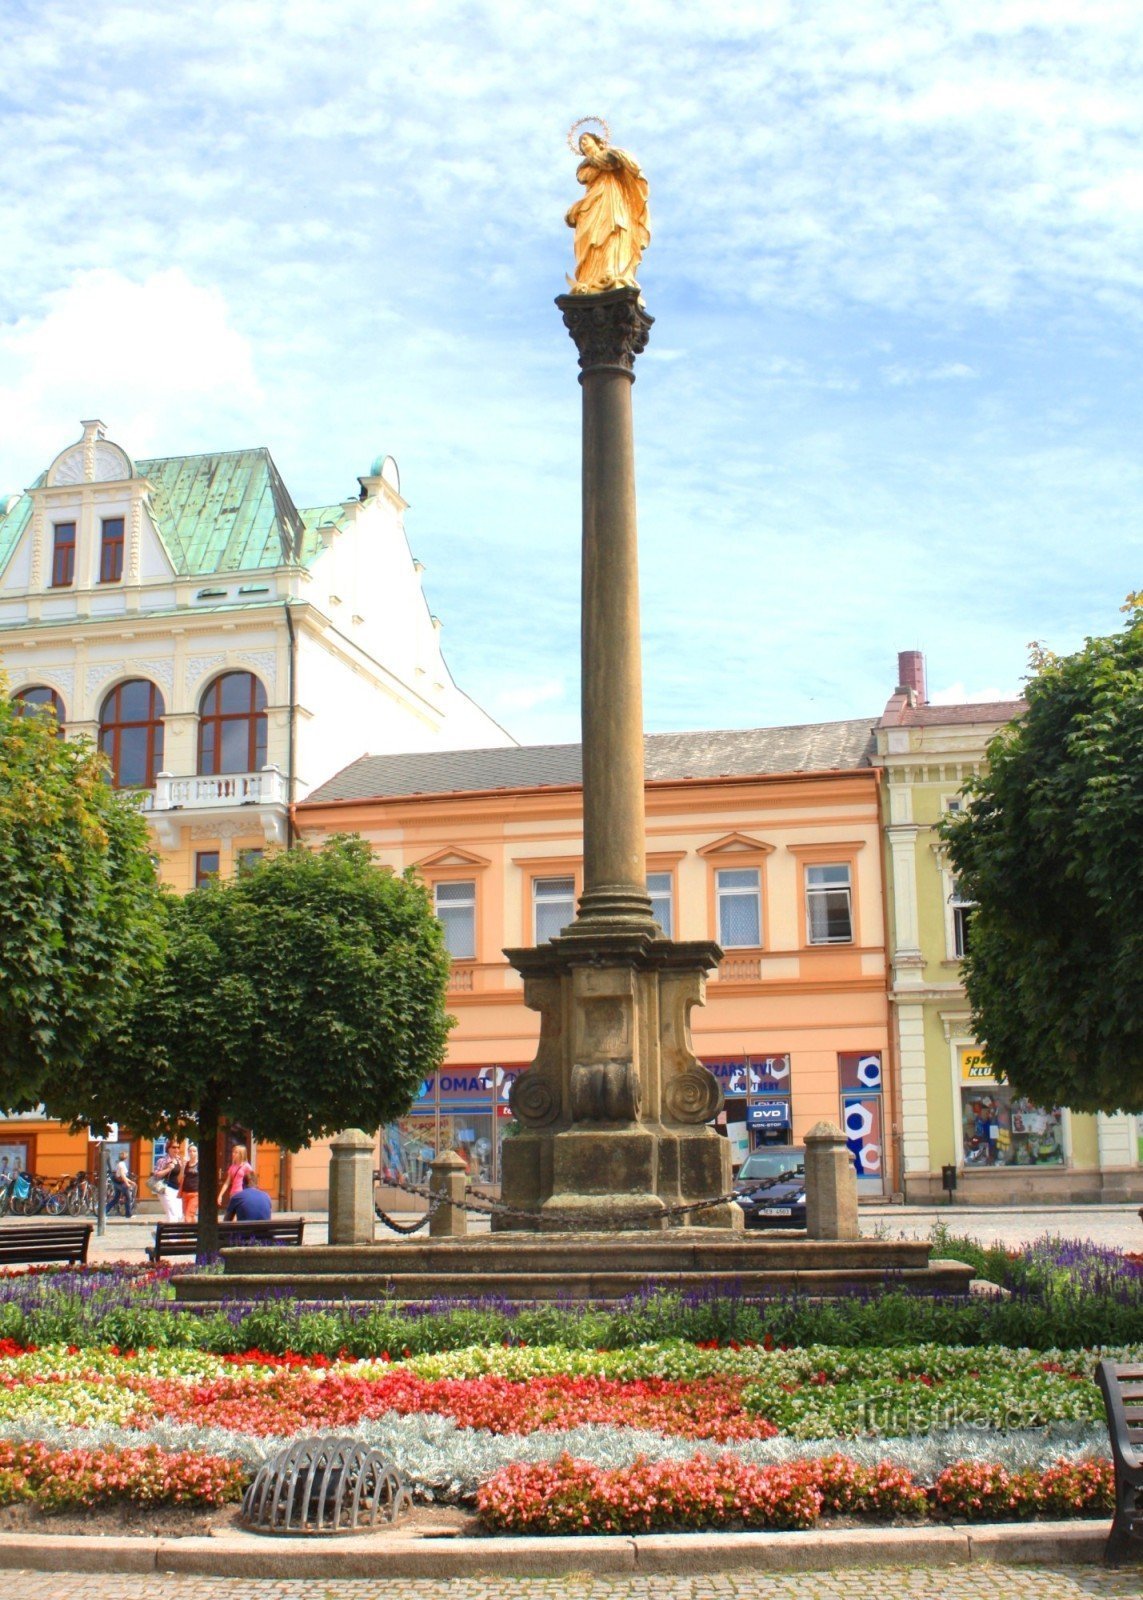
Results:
536 1098
691 1094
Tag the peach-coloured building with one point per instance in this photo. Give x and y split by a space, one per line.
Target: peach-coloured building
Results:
764 839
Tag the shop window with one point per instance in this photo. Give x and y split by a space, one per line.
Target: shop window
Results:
738 892
1000 1128
659 888
553 907
131 733
111 550
232 725
455 906
205 867
63 555
829 905
39 700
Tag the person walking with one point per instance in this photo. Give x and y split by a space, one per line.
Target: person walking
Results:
124 1189
235 1173
189 1188
167 1178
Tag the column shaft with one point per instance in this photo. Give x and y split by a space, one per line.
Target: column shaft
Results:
612 688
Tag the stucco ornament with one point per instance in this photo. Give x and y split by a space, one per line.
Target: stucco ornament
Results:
610 220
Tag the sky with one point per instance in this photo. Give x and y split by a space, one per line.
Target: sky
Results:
893 393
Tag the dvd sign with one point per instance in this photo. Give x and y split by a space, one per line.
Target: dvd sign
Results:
769 1114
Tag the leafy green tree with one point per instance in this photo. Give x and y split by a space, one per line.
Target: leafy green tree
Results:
80 918
1050 847
299 998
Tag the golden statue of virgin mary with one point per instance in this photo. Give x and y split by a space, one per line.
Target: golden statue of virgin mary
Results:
610 220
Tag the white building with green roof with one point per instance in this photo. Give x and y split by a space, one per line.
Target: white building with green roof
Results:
228 649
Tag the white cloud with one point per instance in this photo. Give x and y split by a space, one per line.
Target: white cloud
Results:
158 361
958 695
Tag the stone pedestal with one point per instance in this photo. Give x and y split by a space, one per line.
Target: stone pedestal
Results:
612 1116
448 1176
831 1185
351 1215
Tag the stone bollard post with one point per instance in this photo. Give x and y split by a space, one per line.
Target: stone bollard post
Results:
448 1176
351 1215
831 1185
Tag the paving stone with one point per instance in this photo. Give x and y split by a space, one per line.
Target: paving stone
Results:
981 1582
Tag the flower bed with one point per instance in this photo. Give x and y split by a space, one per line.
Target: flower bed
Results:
667 1411
58 1479
1064 1294
570 1496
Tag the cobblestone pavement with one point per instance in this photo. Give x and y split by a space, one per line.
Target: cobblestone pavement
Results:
1117 1227
1114 1226
981 1582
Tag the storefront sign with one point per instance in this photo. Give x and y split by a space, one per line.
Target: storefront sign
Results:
472 1087
743 1075
974 1068
768 1114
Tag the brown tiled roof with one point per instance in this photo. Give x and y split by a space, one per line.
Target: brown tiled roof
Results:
728 753
941 716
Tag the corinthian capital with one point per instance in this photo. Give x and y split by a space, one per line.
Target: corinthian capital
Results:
609 329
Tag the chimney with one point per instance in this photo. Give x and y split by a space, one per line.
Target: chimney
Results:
911 675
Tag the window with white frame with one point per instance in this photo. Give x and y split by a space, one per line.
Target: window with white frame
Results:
961 911
829 904
553 906
455 906
659 888
738 892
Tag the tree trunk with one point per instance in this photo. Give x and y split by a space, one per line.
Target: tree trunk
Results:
208 1176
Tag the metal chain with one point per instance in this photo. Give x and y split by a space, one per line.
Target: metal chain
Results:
414 1227
488 1207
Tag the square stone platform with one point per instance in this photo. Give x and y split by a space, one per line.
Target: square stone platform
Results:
527 1267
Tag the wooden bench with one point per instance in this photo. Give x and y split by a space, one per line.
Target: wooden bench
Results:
1123 1396
181 1238
24 1243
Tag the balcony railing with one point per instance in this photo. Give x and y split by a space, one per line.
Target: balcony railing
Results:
267 787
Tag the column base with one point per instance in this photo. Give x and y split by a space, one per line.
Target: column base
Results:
612 1118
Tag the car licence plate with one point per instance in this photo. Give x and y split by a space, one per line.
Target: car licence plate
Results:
776 1211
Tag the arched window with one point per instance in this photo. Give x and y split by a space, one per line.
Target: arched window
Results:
232 725
40 699
131 733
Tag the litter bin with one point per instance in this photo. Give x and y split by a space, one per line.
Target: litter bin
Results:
948 1181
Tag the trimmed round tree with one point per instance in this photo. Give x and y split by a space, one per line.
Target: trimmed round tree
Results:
1050 847
299 998
80 907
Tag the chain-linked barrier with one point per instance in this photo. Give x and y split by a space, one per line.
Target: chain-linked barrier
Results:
484 1205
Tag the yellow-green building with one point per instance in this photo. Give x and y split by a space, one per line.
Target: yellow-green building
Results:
951 1110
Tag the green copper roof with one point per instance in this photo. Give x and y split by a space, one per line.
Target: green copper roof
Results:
218 513
315 517
12 525
223 513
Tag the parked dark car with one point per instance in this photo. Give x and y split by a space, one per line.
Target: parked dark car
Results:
771 1187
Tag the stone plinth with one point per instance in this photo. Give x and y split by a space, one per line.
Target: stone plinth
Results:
831 1185
613 1115
351 1215
529 1267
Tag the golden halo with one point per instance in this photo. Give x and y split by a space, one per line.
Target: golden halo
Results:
573 144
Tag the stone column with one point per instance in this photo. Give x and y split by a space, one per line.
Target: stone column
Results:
831 1185
351 1215
609 331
